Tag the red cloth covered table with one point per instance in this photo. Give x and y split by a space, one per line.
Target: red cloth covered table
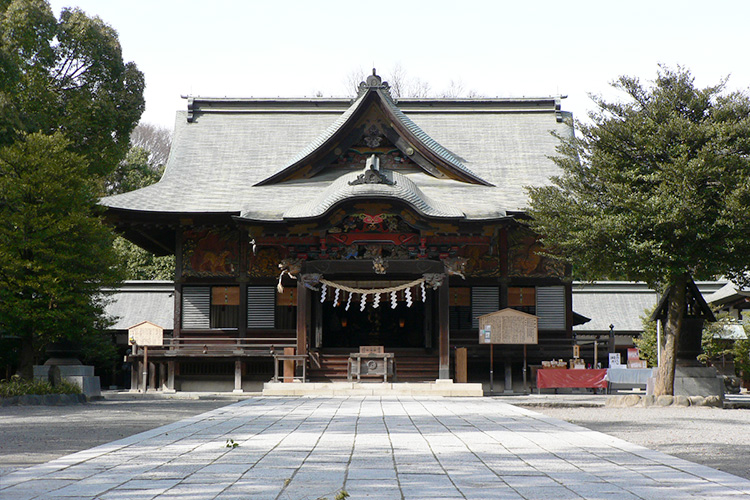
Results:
552 378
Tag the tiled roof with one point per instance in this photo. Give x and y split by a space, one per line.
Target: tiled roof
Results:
620 303
138 301
230 146
402 189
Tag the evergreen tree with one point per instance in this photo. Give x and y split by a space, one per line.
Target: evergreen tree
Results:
656 189
68 103
55 253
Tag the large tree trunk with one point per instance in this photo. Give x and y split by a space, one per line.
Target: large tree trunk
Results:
676 312
26 358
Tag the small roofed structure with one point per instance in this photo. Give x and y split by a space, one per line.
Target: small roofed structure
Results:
696 312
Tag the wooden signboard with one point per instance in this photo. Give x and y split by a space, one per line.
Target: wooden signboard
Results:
508 327
146 334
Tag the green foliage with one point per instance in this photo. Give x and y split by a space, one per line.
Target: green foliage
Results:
646 343
742 356
713 348
55 253
140 264
67 76
68 103
135 172
17 386
655 187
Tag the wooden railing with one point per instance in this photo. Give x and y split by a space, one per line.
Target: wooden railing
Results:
222 346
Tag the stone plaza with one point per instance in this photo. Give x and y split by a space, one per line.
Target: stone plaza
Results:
371 447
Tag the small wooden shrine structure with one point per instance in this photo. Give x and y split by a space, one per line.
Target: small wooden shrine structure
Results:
329 224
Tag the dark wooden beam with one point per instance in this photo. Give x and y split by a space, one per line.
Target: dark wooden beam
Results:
444 331
303 314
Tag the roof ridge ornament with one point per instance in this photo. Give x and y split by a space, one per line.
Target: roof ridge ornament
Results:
373 82
372 174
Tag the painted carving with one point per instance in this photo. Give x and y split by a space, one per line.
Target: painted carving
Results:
263 263
311 280
210 252
481 261
377 222
456 266
290 267
433 280
525 257
379 265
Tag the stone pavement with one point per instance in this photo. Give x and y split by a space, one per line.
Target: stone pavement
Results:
371 447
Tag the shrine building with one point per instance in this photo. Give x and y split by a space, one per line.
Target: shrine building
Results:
325 225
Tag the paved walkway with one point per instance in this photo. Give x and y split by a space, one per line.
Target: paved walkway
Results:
389 448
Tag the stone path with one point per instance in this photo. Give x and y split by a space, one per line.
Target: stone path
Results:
371 447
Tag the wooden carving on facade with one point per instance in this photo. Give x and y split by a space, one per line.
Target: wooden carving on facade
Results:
264 262
526 258
482 261
209 252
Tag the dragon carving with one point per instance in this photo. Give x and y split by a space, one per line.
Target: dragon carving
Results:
290 267
456 266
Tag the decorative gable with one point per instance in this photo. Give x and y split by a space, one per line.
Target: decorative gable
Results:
374 125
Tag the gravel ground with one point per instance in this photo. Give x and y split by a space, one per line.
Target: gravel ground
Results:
709 436
38 434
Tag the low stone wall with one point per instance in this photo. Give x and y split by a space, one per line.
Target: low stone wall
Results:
630 400
44 400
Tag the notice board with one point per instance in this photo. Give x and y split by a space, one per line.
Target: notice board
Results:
146 334
508 326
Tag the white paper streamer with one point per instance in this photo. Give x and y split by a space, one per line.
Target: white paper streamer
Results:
336 298
323 290
348 301
394 300
424 293
363 302
376 302
408 297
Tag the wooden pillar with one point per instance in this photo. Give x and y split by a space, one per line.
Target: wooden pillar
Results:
289 366
135 369
444 330
242 330
177 331
237 375
152 375
162 376
303 317
170 376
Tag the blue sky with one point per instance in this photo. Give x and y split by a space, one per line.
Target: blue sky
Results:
496 48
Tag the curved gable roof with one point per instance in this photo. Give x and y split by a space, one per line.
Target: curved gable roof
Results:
399 188
374 92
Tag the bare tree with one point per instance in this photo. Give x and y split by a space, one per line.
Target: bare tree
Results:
403 85
154 139
455 89
398 81
353 79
